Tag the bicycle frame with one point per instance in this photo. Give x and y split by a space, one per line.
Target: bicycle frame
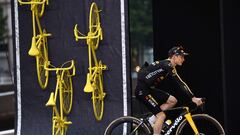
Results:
91 35
59 116
36 39
39 44
186 113
94 71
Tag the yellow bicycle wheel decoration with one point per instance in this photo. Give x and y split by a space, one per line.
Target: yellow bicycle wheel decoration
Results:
41 58
98 95
67 91
94 26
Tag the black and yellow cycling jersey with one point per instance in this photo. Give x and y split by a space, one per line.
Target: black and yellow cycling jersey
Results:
155 72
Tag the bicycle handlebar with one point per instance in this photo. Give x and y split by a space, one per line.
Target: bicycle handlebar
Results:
89 36
202 106
62 68
33 2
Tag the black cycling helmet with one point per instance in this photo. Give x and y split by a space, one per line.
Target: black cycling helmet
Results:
177 50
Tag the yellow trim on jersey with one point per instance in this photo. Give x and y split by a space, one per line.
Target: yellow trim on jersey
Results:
186 86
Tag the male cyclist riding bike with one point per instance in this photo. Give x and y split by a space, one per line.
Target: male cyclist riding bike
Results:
150 75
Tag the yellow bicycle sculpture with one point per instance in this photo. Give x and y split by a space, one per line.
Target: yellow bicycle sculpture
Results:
64 90
94 82
39 47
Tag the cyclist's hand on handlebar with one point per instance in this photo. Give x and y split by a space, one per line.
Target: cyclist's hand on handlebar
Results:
197 101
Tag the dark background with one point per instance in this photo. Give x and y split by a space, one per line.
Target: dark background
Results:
59 20
209 31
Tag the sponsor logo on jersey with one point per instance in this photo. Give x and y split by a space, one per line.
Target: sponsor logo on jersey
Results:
154 73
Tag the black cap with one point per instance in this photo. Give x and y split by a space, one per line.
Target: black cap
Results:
177 50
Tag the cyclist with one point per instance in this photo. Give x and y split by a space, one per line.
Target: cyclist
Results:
151 75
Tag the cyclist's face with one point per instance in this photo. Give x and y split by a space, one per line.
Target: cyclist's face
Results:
179 59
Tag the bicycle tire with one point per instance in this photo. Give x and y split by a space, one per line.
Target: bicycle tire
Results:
205 124
94 25
134 125
98 97
67 91
42 74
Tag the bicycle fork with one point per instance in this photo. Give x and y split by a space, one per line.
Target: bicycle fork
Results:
188 116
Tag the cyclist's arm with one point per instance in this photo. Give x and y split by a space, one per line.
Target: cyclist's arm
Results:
183 86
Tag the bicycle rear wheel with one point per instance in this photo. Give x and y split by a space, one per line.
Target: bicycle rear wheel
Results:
42 74
98 97
132 125
205 124
94 25
67 91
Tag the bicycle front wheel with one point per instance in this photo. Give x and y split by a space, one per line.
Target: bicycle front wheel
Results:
128 125
67 91
94 25
98 97
205 124
42 74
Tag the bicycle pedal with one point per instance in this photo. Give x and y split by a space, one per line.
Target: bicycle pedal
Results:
104 95
105 67
67 122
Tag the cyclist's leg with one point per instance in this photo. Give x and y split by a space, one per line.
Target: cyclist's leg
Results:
158 123
166 100
143 93
171 102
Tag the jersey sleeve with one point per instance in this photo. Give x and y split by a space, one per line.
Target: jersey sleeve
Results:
183 86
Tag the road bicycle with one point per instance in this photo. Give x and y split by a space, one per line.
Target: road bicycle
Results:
39 46
94 83
64 92
184 124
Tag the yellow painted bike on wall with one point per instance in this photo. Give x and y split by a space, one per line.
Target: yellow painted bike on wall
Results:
94 82
64 90
39 47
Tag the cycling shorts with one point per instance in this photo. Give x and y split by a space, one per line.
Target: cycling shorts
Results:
152 98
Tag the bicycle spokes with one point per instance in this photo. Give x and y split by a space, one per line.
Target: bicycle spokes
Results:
67 91
41 58
98 98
